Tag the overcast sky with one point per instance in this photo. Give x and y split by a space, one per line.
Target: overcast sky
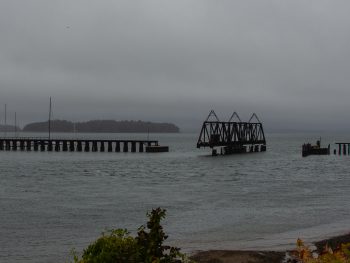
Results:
174 61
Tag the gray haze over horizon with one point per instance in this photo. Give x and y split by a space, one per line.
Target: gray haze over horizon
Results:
174 61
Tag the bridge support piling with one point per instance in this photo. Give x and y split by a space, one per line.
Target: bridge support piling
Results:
57 146
133 147
71 146
125 147
140 147
14 145
42 146
29 145
87 146
94 146
21 145
102 146
79 146
36 146
49 146
117 147
64 146
8 146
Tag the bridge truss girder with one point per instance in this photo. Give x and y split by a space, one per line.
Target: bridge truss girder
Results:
231 134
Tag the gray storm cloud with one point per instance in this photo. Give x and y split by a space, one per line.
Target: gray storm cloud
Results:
161 60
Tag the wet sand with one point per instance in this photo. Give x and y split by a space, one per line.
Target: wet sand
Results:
239 256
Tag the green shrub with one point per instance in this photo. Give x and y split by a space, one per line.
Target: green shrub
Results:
117 246
147 247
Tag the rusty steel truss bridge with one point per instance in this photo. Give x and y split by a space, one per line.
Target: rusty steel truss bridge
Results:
232 136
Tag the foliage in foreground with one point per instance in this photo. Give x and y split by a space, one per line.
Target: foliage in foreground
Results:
303 254
147 247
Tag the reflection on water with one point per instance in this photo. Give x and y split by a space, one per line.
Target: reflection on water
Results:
51 202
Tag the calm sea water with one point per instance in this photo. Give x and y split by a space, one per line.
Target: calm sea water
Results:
52 202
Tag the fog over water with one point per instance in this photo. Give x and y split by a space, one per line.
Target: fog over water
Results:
161 60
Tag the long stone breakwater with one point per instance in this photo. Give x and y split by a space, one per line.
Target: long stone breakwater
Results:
78 145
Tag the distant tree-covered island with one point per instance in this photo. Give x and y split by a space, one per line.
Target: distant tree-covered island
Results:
108 126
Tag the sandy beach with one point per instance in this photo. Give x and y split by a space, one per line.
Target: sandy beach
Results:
242 256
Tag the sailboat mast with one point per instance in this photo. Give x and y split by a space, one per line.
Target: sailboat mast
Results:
15 124
50 120
5 120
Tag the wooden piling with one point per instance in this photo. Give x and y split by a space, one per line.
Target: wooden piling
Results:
79 146
29 145
8 146
49 146
87 146
14 145
94 146
71 146
36 146
64 146
133 147
102 146
57 146
42 146
21 145
125 147
140 147
117 147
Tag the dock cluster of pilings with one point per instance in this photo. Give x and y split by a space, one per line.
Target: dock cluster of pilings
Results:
343 148
72 145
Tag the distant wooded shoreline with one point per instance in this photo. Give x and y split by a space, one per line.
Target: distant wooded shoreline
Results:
96 126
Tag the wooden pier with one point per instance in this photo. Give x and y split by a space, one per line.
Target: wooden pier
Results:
343 148
308 149
74 145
